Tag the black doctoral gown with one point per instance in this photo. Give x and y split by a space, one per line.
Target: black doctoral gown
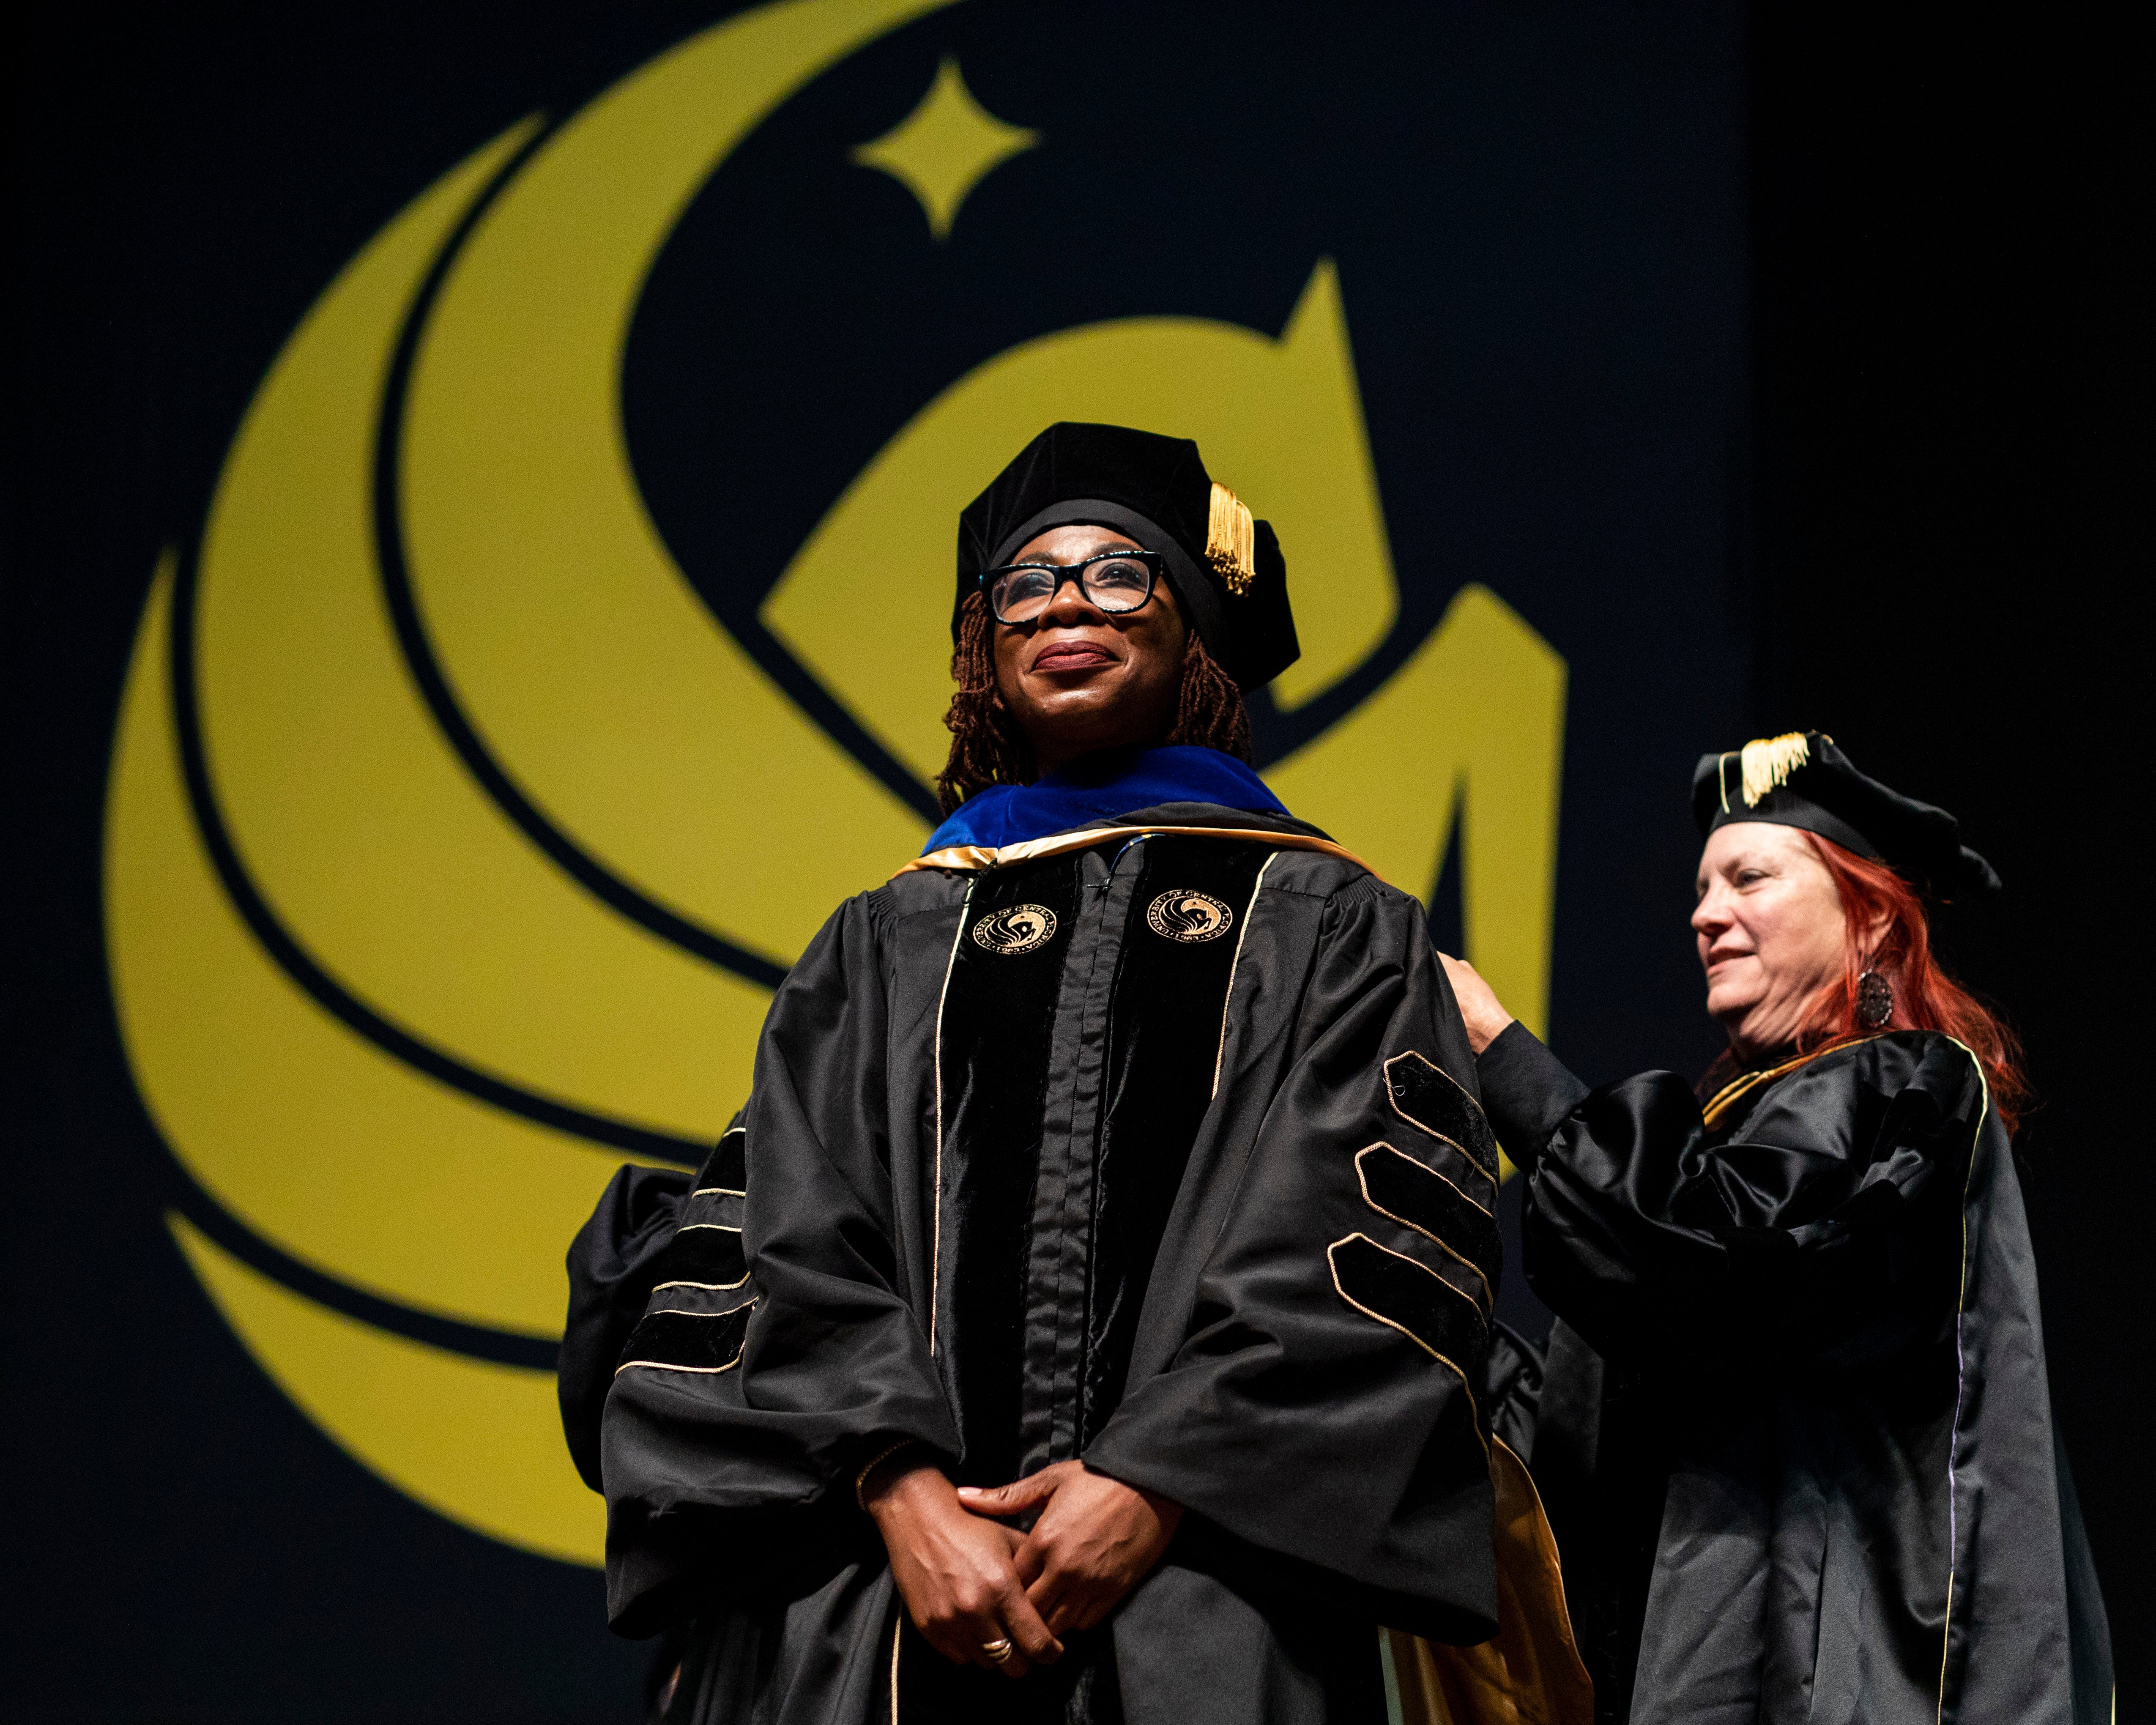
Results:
1158 1148
1793 1428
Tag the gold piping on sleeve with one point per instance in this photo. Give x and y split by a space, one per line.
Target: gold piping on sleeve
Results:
972 858
660 1365
718 1192
1332 1265
702 1287
1234 963
935 1197
1482 1276
707 1228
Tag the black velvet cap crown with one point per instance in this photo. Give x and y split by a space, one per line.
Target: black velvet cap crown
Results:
1156 491
1805 780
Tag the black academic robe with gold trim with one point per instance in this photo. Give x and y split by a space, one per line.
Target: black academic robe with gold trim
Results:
1793 1427
1157 1148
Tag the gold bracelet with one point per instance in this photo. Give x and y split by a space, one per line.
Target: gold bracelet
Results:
862 1479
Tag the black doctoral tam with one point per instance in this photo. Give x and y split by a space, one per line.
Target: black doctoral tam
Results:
1805 779
1226 570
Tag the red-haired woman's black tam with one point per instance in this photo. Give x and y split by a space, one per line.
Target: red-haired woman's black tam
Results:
1805 780
1226 568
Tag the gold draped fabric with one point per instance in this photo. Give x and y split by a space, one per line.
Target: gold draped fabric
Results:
1530 1673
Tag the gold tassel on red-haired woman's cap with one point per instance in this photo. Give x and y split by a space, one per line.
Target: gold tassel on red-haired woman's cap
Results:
1768 762
1231 542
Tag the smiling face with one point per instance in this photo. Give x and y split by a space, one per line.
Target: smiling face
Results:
1771 929
1077 679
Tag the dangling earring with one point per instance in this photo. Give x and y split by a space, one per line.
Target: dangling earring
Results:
1874 1000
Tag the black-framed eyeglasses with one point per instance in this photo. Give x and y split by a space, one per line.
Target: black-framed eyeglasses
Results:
1112 581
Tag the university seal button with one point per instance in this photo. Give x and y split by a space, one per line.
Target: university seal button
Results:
1018 929
1187 916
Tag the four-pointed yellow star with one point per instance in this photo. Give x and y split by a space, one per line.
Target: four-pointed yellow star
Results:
945 147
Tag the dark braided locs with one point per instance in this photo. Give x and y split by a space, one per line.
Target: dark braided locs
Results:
1210 713
987 747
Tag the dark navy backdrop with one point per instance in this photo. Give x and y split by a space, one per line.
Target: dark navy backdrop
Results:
1697 337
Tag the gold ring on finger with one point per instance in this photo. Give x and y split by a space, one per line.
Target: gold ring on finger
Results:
997 1651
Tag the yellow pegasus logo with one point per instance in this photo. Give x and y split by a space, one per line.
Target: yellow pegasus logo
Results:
454 848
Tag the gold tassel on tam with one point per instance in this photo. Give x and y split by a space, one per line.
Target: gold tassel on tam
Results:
1769 762
1231 541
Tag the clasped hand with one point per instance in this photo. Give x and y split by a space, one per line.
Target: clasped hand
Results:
969 1579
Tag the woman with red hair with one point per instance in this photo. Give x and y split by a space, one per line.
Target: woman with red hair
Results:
1792 1426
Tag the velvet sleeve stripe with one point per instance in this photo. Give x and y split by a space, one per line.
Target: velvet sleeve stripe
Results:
1408 1297
708 1256
1409 1192
688 1341
714 1207
727 1166
1468 1177
1427 1096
